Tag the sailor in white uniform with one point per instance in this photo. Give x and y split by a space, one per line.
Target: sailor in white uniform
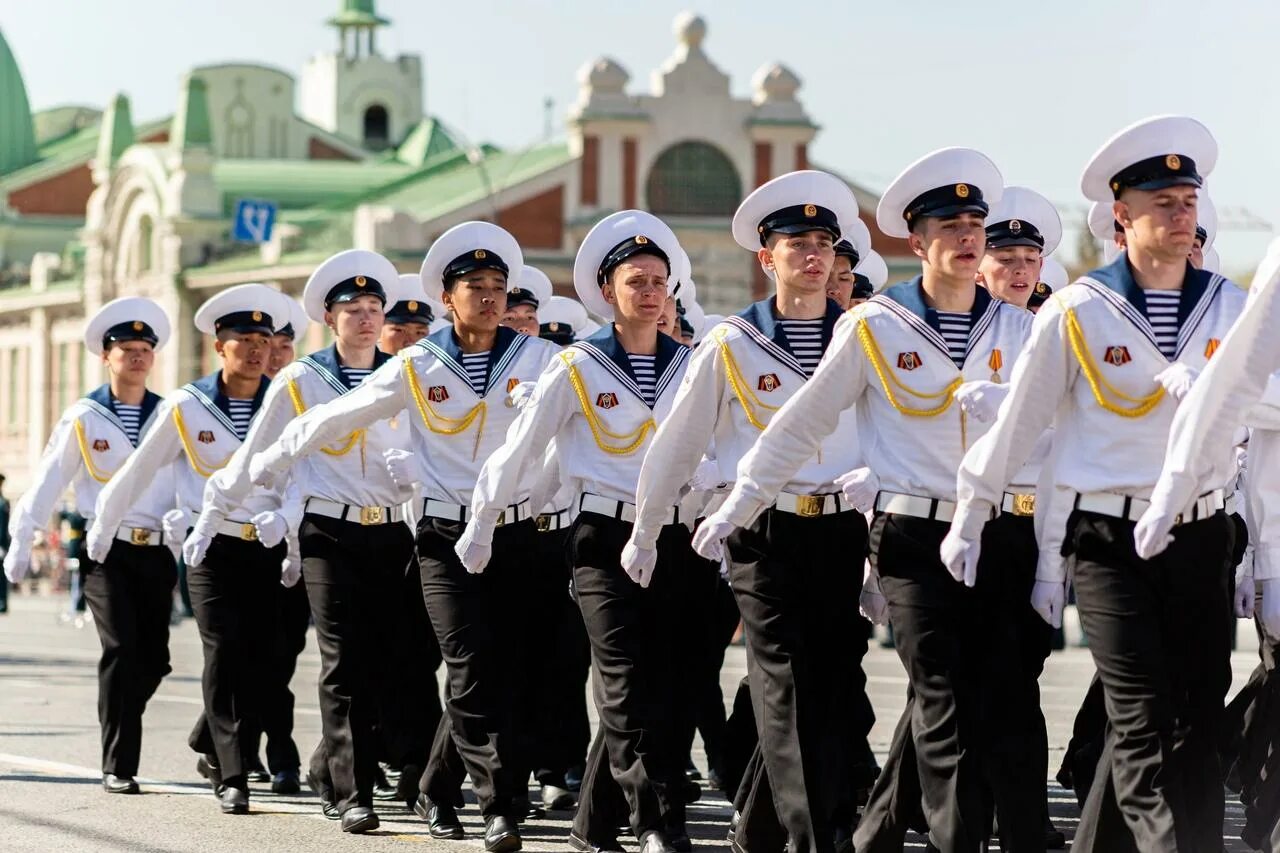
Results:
788 567
284 342
129 588
409 319
1108 359
601 400
455 388
233 566
532 291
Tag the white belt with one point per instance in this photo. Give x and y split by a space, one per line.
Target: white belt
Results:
433 508
549 522
243 530
140 536
809 506
914 505
621 510
1232 505
365 515
1021 503
1131 509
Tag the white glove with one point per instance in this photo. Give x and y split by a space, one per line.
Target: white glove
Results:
1269 609
266 466
522 394
271 528
290 571
1177 379
1048 598
1153 532
860 487
196 546
176 523
639 563
474 554
402 468
981 400
708 539
706 477
1246 594
960 556
17 563
872 603
97 544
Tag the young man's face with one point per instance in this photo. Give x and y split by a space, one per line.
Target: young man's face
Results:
282 352
801 262
840 283
637 289
478 300
522 318
244 354
397 336
668 323
130 360
356 323
1010 273
953 246
1160 222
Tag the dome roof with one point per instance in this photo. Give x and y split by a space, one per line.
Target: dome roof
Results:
17 130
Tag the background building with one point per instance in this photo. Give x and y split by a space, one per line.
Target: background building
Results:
94 205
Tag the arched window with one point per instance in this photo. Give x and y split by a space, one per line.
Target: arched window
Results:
693 179
377 128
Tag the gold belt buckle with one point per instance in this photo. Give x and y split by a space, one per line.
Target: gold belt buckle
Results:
544 523
140 536
1024 504
502 519
808 506
248 532
371 515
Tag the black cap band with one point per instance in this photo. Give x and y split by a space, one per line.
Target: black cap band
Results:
845 249
951 200
131 330
353 288
685 326
287 331
556 332
1014 232
410 311
637 245
1155 173
862 288
246 322
1202 235
520 296
797 219
1039 294
476 259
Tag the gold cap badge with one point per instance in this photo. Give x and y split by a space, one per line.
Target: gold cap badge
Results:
962 190
137 325
257 316
642 240
361 281
553 327
480 254
413 306
810 210
1015 226
1174 162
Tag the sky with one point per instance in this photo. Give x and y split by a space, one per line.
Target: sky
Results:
1037 86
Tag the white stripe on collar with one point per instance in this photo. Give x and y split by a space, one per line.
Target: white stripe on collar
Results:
778 354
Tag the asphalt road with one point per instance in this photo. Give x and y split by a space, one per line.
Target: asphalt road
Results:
51 798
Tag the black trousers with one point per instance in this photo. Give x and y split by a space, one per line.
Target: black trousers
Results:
354 575
796 581
1159 631
966 726
696 637
233 595
130 595
420 693
482 625
561 730
637 675
1258 750
288 635
712 721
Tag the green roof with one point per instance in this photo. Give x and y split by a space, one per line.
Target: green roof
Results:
428 139
301 183
117 124
357 13
69 150
17 130
191 125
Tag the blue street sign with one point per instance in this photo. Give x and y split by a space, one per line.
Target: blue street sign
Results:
254 221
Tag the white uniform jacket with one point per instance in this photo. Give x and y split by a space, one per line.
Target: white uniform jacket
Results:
1092 359
588 401
888 359
88 446
743 372
454 429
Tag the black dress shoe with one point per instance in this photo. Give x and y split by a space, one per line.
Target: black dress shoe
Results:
234 801
256 773
524 809
285 783
555 798
359 819
501 834
407 784
382 789
207 766
113 784
688 791
327 806
654 841
582 845
442 820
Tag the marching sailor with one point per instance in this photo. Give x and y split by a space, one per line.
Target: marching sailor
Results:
455 388
855 279
601 399
1110 356
788 567
129 588
407 320
284 341
532 290
232 571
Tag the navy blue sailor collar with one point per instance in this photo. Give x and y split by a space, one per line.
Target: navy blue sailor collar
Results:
1117 276
764 316
506 343
327 362
105 403
605 346
910 295
209 388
